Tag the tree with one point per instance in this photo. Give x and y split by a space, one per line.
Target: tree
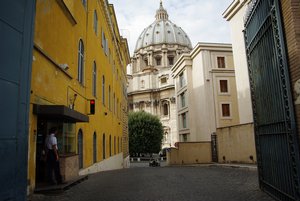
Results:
145 133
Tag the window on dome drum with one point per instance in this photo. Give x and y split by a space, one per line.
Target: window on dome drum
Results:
103 145
158 61
221 62
225 109
141 105
181 80
165 109
171 60
95 148
103 90
80 61
163 80
94 79
223 86
146 62
95 22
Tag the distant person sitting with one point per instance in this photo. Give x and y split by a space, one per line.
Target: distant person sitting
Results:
53 158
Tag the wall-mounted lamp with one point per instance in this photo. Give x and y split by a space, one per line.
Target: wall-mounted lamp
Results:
64 66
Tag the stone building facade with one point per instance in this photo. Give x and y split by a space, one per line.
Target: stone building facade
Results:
151 87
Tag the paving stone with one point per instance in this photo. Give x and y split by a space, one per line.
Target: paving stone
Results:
199 183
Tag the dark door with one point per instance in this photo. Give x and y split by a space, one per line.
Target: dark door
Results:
80 148
40 170
275 128
16 31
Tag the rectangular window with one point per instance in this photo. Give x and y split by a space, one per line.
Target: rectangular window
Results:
182 99
225 110
183 120
181 80
184 137
223 86
221 62
66 138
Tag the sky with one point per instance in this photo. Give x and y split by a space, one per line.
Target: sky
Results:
201 19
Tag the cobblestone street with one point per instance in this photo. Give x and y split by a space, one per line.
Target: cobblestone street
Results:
201 183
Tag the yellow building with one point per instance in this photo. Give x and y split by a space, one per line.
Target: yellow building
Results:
79 59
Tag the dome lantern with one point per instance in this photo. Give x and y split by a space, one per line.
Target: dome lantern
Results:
161 13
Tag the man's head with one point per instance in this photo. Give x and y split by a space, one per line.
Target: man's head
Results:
53 130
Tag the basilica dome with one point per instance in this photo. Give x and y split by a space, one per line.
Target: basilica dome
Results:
162 31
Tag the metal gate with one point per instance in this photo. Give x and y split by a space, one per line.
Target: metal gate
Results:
214 150
16 31
275 128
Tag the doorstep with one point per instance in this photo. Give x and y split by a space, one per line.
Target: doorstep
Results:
53 189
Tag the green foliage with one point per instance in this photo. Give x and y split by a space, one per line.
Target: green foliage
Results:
145 133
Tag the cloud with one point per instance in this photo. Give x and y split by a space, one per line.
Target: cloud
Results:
201 20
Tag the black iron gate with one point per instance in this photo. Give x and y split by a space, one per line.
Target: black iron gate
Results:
214 150
275 128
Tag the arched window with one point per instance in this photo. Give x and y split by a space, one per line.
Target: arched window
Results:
80 148
115 146
118 144
109 145
109 101
80 61
94 79
103 90
165 109
95 147
95 22
84 3
103 145
114 103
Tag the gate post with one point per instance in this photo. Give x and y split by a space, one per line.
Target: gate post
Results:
214 148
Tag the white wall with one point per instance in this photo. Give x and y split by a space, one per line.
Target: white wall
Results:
203 123
241 69
112 163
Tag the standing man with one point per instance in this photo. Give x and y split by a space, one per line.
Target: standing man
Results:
52 157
